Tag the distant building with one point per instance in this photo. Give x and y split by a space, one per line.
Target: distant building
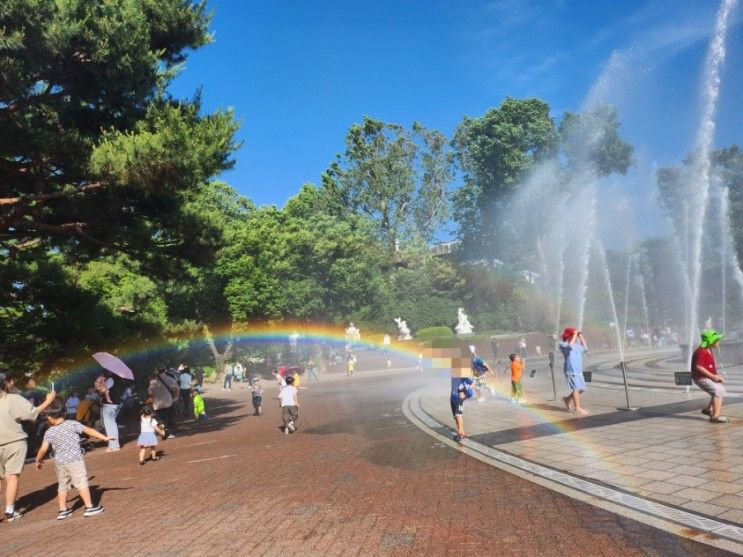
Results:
445 248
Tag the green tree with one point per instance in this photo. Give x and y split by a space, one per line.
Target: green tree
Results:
96 158
495 152
396 177
590 141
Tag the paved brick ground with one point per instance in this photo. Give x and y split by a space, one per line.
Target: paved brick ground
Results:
357 479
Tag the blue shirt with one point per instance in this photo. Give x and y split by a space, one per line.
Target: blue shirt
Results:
573 354
459 384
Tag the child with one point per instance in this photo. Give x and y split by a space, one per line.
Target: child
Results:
148 425
289 405
199 408
480 370
351 363
517 367
461 390
63 436
257 397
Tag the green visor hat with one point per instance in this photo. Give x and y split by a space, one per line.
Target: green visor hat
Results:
709 337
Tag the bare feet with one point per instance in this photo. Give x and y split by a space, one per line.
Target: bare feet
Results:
581 412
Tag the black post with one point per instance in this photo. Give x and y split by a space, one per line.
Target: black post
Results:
552 374
629 407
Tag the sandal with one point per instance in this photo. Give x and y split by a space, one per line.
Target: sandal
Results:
707 412
719 420
141 462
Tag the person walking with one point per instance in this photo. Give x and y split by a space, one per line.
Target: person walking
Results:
163 391
185 384
573 346
147 439
13 440
705 376
227 386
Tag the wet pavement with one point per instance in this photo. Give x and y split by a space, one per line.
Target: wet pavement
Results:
358 478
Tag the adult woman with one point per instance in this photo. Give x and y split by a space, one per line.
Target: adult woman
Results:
13 443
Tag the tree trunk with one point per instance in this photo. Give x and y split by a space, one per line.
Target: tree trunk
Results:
219 359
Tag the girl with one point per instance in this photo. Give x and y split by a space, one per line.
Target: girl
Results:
147 439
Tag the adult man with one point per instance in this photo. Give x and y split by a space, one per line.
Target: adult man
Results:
572 346
185 384
227 377
704 374
13 443
163 391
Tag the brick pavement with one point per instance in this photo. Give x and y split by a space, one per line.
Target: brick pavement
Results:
357 479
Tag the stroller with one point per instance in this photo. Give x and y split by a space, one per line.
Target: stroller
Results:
88 414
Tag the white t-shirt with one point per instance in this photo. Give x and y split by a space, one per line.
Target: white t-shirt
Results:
148 425
287 394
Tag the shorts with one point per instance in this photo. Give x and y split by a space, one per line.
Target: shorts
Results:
257 401
576 382
457 408
715 390
71 473
12 458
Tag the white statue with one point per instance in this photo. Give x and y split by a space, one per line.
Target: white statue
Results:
353 334
464 327
294 341
403 328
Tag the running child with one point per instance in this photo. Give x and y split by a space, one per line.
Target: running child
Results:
480 370
63 436
148 426
257 392
289 406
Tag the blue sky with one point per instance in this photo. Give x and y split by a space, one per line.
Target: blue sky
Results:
299 73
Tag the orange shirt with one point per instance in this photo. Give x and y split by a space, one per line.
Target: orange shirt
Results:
517 366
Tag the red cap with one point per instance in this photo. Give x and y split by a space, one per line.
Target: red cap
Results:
568 333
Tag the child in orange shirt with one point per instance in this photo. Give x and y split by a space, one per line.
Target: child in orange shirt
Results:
517 366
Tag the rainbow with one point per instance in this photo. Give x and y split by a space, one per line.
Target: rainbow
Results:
140 355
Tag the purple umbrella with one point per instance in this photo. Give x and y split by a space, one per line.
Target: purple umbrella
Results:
114 365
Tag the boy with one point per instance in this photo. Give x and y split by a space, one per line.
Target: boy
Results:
517 367
199 409
480 370
289 406
705 376
461 390
63 436
257 392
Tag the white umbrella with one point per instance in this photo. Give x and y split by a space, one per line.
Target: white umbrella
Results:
114 365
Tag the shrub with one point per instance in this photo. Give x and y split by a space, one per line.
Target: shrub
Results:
430 333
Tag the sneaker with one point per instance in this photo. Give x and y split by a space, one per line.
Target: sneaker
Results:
92 511
481 399
707 412
513 401
171 436
10 517
521 400
291 427
61 515
141 462
286 431
719 420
